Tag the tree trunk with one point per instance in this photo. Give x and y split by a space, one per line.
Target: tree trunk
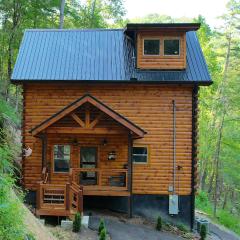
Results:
61 14
210 187
224 108
217 161
225 197
203 179
93 12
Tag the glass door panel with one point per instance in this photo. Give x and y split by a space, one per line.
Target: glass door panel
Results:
88 159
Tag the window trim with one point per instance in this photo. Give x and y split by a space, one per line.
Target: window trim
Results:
148 154
151 55
179 48
53 160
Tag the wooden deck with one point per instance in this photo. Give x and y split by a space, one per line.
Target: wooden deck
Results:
67 199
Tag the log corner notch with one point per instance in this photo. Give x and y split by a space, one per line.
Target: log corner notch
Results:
194 176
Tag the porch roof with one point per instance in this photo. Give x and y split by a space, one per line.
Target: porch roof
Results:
96 103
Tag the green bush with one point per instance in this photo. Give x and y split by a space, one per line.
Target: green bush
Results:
203 203
30 237
9 112
159 224
11 212
103 234
101 226
77 223
203 232
182 228
229 220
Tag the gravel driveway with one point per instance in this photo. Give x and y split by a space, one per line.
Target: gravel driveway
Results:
119 230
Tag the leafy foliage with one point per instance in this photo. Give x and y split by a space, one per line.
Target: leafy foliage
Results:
101 226
159 223
103 234
11 220
203 232
77 223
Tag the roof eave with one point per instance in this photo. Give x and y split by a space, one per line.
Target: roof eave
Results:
188 82
162 26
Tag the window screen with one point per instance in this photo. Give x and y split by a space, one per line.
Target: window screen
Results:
61 158
140 154
151 46
171 47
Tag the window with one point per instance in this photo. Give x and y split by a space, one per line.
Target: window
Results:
171 47
151 46
140 154
61 158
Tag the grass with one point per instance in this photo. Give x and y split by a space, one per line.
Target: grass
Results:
224 217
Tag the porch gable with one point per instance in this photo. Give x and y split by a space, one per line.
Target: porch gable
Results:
86 124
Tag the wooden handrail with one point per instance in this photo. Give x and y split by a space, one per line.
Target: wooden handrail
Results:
100 172
44 174
67 197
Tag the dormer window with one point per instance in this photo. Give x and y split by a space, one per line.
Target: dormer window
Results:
151 46
171 47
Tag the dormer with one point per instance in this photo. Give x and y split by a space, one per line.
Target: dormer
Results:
160 45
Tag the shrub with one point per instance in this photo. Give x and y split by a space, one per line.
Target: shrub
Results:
203 232
103 234
182 228
203 203
101 226
159 224
30 236
77 223
11 212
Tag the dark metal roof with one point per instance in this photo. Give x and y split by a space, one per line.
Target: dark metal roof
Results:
97 55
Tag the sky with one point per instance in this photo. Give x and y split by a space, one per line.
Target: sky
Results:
210 9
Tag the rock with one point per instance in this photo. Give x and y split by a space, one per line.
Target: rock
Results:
66 224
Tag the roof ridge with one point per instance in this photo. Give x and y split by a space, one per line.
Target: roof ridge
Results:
72 30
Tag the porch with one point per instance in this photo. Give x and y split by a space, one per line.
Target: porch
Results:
86 150
67 199
109 182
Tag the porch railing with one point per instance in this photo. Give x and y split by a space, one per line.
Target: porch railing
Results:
67 198
105 179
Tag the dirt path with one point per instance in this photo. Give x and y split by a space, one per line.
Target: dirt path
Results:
38 230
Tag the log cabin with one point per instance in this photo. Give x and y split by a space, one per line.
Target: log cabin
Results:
110 119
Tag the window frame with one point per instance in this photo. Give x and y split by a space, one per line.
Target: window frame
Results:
151 55
53 159
179 46
148 153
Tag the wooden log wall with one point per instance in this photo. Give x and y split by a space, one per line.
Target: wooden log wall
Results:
161 61
148 106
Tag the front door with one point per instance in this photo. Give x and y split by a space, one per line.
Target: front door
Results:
88 159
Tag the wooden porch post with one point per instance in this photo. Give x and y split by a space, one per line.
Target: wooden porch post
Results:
44 150
130 143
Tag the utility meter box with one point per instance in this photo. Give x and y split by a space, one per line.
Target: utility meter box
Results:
173 204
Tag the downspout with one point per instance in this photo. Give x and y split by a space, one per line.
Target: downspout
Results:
174 146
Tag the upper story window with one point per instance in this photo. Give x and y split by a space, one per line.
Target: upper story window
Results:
171 47
151 46
140 154
61 158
